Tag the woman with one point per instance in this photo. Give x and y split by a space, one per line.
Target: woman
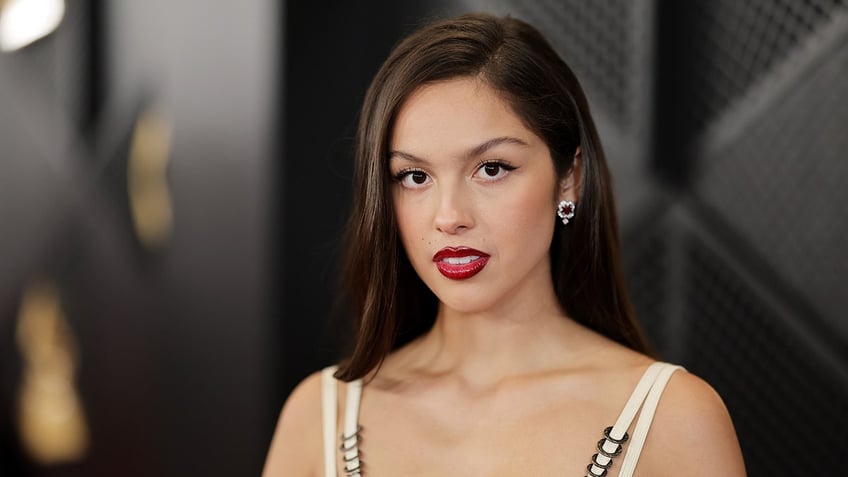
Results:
494 333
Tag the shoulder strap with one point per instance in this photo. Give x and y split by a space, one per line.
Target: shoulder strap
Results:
650 387
329 416
329 403
628 466
635 402
350 436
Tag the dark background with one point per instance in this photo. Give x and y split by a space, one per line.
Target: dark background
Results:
724 123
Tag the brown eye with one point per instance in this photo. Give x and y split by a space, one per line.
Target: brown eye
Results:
413 179
492 170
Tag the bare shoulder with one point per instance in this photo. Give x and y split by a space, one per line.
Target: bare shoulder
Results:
296 445
692 433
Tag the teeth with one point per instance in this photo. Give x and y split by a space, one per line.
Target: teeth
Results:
460 260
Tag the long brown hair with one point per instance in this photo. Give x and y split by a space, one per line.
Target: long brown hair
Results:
389 302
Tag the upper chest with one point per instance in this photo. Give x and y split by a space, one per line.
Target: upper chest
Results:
550 429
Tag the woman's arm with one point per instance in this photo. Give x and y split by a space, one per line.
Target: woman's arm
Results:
297 443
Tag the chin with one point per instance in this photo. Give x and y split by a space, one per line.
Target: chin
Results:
465 302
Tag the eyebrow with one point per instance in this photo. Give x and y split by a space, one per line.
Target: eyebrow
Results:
471 153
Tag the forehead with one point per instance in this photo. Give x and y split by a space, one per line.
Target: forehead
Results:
450 116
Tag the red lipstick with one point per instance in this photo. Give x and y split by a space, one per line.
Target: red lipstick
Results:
459 263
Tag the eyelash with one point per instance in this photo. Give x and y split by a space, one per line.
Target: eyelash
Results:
497 162
401 175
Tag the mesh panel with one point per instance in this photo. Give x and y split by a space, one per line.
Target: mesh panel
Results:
594 38
785 403
735 43
782 186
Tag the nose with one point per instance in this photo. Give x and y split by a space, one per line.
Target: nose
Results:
454 213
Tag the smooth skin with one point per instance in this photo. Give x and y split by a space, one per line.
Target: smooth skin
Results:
505 384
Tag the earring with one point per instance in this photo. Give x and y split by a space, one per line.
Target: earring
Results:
565 211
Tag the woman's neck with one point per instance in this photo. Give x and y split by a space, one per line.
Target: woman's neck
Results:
484 348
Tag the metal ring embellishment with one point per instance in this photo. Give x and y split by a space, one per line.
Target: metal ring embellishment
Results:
350 453
596 467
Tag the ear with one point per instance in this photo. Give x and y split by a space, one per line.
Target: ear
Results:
569 185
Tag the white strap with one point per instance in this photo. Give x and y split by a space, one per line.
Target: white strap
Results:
634 450
351 426
647 384
329 398
627 414
636 400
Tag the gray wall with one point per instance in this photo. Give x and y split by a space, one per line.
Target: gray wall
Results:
176 366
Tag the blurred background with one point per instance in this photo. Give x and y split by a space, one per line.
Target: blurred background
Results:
174 177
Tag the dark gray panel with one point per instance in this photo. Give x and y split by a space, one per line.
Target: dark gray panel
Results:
648 266
596 40
733 45
781 186
782 396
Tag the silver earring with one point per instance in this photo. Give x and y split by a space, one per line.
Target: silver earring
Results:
565 211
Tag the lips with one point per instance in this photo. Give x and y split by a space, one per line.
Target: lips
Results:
460 263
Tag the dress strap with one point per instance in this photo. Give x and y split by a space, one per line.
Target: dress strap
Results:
646 396
628 466
329 412
350 432
350 435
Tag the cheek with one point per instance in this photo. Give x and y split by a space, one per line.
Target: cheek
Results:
408 223
528 218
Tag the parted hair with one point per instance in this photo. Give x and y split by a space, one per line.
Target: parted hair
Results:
388 302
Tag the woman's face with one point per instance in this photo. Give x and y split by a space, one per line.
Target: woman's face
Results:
475 195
